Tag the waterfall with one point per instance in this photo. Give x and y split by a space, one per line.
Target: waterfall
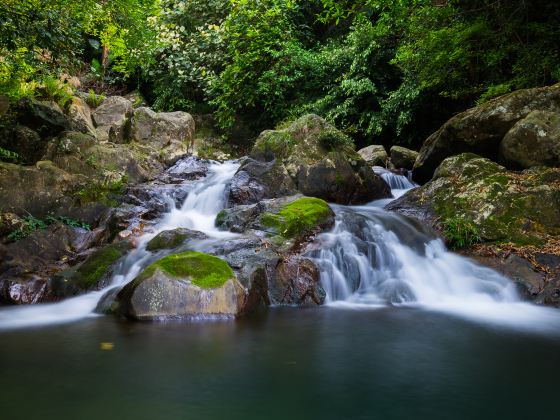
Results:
198 212
374 258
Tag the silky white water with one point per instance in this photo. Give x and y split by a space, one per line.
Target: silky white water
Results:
373 258
198 212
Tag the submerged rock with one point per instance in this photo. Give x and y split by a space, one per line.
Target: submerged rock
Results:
189 284
481 129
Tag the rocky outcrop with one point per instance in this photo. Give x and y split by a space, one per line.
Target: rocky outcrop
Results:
36 189
311 157
403 158
481 129
521 208
533 141
375 155
112 119
190 284
172 131
170 239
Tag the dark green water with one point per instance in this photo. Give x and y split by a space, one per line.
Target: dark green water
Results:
289 363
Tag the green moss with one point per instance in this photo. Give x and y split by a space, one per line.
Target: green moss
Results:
332 139
90 272
204 271
278 143
166 240
102 192
220 218
298 218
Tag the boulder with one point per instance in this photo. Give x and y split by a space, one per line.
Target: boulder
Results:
160 129
112 119
533 141
500 205
375 155
36 189
190 284
481 129
287 218
45 117
27 143
79 116
170 239
92 274
403 158
311 157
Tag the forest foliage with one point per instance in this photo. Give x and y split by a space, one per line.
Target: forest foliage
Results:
384 71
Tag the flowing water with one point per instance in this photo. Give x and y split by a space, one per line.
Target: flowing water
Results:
410 330
205 199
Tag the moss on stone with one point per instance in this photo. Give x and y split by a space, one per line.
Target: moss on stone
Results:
278 143
167 240
203 270
298 218
91 271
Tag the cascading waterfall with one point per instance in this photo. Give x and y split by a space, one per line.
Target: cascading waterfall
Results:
198 212
375 258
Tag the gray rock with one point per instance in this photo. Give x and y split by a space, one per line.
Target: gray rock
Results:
404 158
112 119
533 141
481 129
159 129
375 155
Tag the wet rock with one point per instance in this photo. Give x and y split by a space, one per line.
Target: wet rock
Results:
190 284
22 292
92 274
533 141
401 157
256 181
170 239
481 129
188 169
375 155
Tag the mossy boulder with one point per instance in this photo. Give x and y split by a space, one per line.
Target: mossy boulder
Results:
481 129
533 141
311 157
300 218
188 284
170 239
505 206
289 218
403 158
92 274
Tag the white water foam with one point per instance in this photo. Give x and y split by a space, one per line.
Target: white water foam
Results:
373 258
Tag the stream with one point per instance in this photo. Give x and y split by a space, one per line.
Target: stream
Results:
409 329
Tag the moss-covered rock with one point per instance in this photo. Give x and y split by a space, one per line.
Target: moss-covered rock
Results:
170 239
517 207
533 141
403 158
300 218
375 155
308 156
93 273
481 129
185 284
